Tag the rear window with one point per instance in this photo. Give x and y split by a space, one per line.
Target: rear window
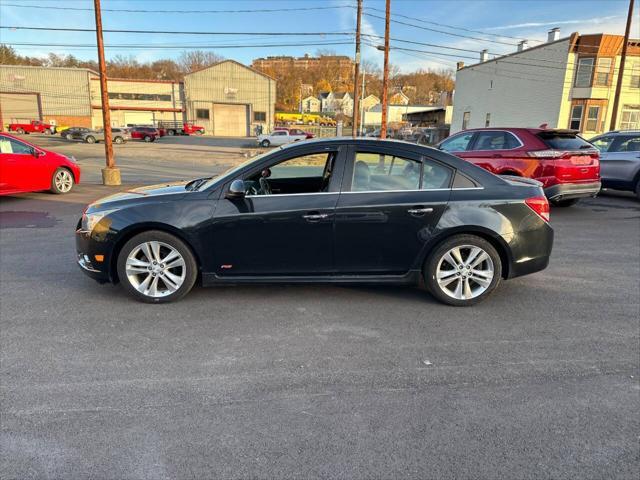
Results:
564 141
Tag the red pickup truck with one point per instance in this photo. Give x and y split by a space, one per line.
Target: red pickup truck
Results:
179 128
34 126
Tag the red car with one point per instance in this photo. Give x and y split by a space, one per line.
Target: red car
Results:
148 134
25 167
567 165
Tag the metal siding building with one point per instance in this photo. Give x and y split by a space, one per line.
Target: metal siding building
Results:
230 99
56 95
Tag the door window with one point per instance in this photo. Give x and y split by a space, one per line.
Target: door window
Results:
626 144
458 143
9 145
380 172
495 141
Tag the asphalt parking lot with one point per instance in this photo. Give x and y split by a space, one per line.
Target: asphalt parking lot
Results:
539 381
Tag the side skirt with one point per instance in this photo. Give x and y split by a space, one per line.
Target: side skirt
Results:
413 277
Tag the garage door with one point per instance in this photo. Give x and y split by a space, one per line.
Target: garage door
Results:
19 106
229 120
138 118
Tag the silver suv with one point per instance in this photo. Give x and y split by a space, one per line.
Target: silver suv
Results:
119 135
620 159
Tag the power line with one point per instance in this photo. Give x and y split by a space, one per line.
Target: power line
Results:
132 10
183 47
174 32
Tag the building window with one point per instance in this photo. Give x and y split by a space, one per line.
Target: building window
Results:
634 78
202 113
576 117
465 120
603 72
630 118
487 120
584 71
259 116
593 113
148 97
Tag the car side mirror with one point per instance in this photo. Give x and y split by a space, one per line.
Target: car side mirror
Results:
236 190
37 153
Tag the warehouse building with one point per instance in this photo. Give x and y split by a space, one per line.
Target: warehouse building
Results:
228 98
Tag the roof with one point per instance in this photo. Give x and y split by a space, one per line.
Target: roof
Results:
426 109
378 107
340 95
232 61
50 68
323 94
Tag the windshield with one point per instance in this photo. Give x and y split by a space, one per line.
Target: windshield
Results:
231 171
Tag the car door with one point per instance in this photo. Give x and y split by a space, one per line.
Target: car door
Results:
390 203
279 137
620 163
499 152
20 170
281 233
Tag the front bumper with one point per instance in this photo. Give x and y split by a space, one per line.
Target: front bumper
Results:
86 251
567 191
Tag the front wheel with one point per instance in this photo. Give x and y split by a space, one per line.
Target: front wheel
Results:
118 140
62 181
565 203
148 138
47 132
198 132
20 131
463 270
171 133
156 267
90 139
68 136
265 143
637 189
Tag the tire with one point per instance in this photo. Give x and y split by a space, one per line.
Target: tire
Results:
171 133
118 140
133 281
265 143
68 136
90 139
565 203
47 132
20 131
453 292
62 181
198 132
148 138
636 190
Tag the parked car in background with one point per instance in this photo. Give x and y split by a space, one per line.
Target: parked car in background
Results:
180 128
118 135
331 211
147 134
32 126
25 167
620 159
74 133
279 137
567 165
295 131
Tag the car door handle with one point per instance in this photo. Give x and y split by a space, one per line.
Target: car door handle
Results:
419 211
315 217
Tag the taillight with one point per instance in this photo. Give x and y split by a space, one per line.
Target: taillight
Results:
540 205
546 153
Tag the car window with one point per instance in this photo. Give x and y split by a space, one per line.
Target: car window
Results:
305 166
564 141
626 144
279 133
380 172
9 145
457 143
495 140
603 143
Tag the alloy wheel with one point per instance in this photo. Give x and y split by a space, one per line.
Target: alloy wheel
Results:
155 269
63 181
465 272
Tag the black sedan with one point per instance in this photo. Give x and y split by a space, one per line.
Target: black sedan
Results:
335 211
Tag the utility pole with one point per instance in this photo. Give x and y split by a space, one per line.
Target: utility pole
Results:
356 82
385 73
616 98
362 102
110 174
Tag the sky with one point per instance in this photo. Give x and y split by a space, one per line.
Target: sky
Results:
497 25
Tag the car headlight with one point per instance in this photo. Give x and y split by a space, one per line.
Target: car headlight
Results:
90 220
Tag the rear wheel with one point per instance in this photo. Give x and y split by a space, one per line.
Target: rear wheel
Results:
171 133
118 140
148 138
68 136
565 203
90 139
198 132
62 181
156 267
20 131
47 132
463 270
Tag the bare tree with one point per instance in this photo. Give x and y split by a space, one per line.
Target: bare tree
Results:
197 59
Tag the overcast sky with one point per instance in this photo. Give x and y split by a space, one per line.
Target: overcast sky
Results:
501 23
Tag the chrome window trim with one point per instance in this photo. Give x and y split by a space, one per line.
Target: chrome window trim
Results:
291 194
479 132
364 191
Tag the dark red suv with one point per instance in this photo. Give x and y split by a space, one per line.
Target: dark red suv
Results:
148 134
567 165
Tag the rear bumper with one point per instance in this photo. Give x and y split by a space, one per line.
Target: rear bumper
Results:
567 191
530 249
